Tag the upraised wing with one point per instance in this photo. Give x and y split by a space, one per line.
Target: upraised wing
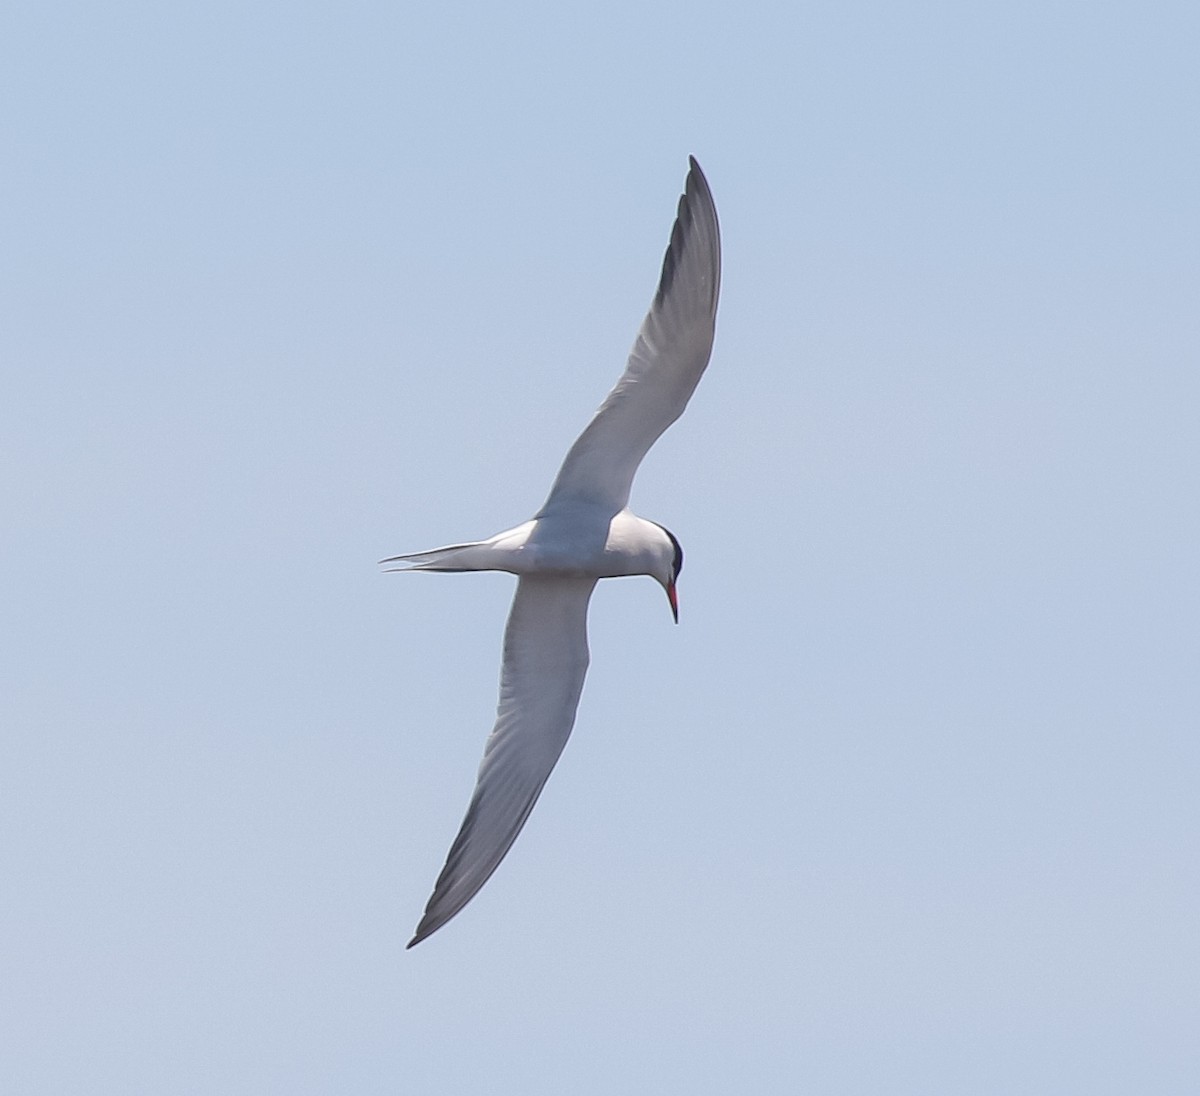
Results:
545 661
665 365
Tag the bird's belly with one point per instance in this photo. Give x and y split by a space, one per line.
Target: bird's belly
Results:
576 544
573 561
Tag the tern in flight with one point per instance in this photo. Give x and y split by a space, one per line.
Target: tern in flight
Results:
584 532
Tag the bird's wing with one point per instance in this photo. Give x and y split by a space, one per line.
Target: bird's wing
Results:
665 365
545 661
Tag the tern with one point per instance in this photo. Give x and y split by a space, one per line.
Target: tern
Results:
583 533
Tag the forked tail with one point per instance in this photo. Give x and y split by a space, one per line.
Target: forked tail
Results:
453 557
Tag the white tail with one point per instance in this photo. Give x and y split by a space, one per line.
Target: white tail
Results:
453 557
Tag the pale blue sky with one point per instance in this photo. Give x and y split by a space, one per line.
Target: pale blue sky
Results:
907 804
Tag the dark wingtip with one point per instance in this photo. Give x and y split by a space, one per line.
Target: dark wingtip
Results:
696 184
696 179
422 932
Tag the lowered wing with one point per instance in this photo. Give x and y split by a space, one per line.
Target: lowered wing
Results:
545 661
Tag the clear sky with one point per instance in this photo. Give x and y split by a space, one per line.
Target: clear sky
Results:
906 804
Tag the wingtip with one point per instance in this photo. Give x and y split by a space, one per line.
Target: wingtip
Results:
696 208
427 927
696 172
423 930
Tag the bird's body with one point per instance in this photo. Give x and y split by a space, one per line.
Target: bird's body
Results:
584 532
573 542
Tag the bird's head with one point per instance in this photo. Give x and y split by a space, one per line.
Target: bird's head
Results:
667 572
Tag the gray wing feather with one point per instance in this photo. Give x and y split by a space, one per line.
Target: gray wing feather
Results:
545 662
668 358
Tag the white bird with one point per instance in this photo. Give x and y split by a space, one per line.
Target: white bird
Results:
584 532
